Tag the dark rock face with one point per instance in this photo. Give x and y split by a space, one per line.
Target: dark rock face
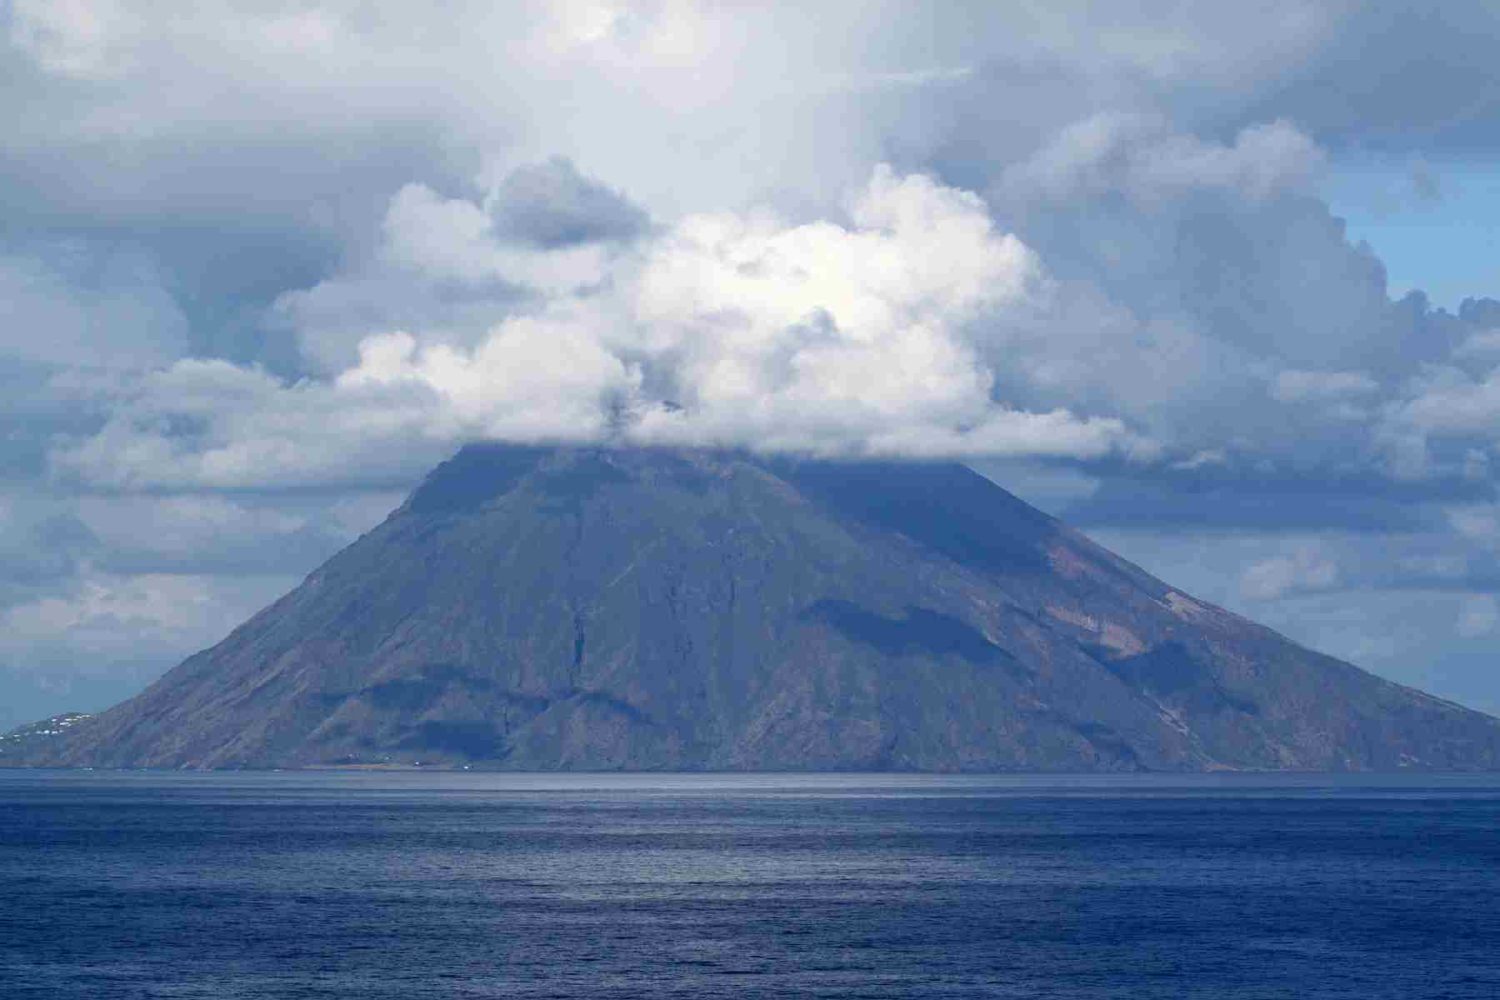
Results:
544 608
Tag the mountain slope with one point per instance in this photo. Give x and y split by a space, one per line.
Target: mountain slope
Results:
541 608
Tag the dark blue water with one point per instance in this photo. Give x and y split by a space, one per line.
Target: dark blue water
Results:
439 885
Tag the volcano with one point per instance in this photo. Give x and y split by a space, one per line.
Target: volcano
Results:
541 608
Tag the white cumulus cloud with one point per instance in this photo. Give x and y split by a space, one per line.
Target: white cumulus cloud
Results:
875 335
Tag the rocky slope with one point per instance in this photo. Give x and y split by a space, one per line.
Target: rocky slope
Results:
25 741
543 608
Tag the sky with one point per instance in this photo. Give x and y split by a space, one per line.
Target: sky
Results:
1211 282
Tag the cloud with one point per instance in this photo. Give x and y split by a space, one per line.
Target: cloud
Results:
873 336
1479 616
1297 386
1217 246
1391 76
454 240
211 535
41 542
69 37
216 425
452 267
66 309
1482 345
1448 399
1303 569
100 611
107 618
1162 211
908 323
1144 158
551 205
533 379
833 339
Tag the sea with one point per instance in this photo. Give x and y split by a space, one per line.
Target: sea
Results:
371 885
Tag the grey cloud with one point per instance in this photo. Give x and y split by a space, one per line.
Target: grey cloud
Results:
216 426
41 546
327 321
1398 76
1272 275
552 205
214 535
440 267
70 306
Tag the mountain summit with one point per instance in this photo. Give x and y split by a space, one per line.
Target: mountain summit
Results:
585 608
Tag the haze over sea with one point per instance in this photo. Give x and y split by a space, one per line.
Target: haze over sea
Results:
399 885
